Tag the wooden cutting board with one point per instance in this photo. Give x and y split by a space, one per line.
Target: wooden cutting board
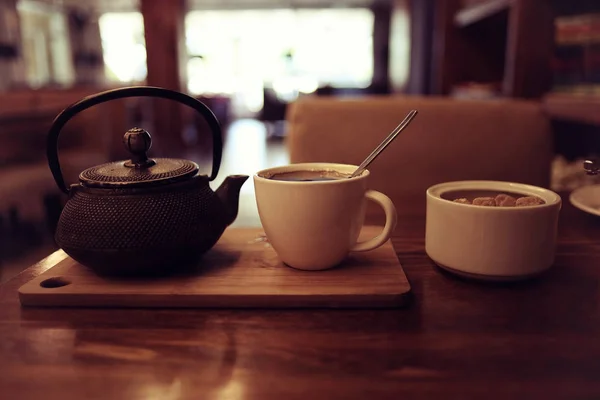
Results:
242 270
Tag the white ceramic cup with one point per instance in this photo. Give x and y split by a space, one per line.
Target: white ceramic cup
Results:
492 243
314 225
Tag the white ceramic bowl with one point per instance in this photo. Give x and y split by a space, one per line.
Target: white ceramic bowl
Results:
492 243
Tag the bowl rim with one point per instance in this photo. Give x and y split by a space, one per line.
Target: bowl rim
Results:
551 198
578 198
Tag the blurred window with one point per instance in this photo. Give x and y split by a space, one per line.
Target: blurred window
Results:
45 43
292 51
123 46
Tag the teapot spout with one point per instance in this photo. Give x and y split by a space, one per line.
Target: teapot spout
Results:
229 193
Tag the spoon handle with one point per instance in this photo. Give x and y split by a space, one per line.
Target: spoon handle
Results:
385 143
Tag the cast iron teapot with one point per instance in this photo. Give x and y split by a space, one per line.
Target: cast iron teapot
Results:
142 216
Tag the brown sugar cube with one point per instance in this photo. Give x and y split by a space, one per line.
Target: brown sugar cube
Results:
462 200
484 201
529 201
504 200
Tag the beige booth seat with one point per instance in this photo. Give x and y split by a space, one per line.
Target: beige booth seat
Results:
448 140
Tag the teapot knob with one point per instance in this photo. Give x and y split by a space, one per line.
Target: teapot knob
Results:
591 167
138 141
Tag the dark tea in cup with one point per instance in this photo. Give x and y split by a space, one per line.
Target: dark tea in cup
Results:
308 176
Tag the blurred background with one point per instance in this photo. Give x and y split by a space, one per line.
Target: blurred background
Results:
248 60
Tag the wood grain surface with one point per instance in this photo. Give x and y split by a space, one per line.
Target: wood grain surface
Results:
242 270
458 339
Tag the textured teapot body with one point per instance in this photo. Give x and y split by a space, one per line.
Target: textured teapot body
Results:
142 216
132 231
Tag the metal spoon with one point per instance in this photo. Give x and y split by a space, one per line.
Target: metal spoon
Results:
385 143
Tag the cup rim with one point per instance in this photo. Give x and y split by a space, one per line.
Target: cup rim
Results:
551 199
316 166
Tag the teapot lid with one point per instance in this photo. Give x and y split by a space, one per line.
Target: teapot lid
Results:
140 170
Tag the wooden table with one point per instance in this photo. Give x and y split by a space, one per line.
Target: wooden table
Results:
458 339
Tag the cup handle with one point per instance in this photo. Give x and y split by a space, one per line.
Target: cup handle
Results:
391 218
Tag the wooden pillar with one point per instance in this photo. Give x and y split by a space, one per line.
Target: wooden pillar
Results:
164 27
450 51
421 47
529 50
382 13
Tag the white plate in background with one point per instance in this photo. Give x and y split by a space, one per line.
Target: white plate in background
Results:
587 198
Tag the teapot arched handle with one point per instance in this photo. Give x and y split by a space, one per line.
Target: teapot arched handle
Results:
120 93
